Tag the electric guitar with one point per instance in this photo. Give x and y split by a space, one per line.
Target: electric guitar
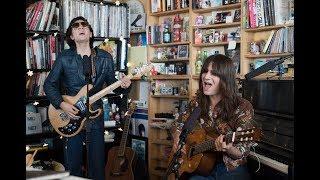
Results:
66 126
199 158
121 159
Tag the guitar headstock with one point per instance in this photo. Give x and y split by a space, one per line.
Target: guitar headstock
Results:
245 135
131 108
137 72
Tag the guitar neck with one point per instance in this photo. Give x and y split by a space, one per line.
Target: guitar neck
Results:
123 141
202 147
209 145
105 91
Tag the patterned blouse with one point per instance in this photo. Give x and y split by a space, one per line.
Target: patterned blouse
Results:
243 120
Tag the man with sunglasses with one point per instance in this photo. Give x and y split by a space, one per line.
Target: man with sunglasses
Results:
68 72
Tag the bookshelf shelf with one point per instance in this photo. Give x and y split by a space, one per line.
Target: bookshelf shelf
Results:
196 77
170 96
267 28
170 77
168 13
211 44
161 142
42 135
223 25
158 172
169 44
36 98
170 60
110 38
218 8
38 70
160 159
267 55
31 33
138 32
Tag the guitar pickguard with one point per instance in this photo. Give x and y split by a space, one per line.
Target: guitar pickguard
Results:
74 124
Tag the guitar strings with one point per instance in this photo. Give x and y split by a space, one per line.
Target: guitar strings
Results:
254 151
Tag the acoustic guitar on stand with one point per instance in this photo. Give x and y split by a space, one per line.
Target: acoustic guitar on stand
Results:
121 159
66 126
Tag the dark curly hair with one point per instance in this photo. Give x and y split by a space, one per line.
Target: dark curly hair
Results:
71 42
222 66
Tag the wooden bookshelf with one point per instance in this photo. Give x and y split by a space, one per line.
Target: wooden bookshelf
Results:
169 44
170 77
218 8
267 28
170 96
170 60
212 44
216 26
251 56
168 13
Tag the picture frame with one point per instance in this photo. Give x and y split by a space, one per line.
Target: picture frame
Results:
140 146
183 51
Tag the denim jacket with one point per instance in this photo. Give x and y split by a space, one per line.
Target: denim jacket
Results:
68 72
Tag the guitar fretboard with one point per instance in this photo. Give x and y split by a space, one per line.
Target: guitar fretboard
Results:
123 141
207 145
202 147
106 90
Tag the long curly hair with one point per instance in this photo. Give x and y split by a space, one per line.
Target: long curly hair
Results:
222 66
71 42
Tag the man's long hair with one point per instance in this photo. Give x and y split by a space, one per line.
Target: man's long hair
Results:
71 42
222 66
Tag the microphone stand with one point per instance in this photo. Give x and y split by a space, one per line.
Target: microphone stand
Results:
175 164
87 97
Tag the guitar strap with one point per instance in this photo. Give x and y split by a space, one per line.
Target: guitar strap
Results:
93 64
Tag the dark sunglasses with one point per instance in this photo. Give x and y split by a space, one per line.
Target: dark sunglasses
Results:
77 24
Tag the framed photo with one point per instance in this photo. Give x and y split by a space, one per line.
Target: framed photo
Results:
183 51
140 146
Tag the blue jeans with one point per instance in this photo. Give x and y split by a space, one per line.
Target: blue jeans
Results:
220 173
95 153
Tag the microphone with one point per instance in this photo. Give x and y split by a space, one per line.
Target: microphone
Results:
87 67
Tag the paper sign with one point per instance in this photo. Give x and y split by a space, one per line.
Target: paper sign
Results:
232 45
229 19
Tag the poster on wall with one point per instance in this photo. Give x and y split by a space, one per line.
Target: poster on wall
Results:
137 16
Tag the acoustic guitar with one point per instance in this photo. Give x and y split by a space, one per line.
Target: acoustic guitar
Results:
66 126
200 146
121 159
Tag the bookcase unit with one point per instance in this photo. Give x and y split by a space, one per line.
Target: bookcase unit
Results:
40 58
159 143
277 25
